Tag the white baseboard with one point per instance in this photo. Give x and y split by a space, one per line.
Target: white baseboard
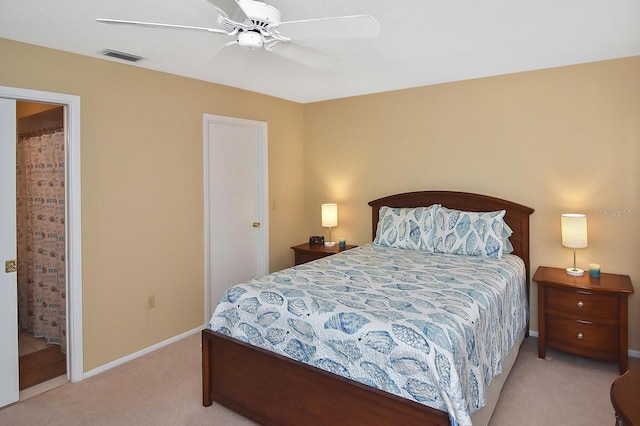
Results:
632 354
142 352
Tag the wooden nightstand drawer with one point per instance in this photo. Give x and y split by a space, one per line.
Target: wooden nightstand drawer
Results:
303 257
582 303
583 338
306 252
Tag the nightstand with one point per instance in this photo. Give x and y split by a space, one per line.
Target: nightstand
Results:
583 315
306 252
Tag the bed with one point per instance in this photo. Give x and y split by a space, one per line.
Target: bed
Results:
272 388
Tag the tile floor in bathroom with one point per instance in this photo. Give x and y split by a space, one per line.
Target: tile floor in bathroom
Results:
27 343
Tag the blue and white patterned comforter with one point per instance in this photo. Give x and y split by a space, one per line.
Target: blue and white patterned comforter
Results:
433 328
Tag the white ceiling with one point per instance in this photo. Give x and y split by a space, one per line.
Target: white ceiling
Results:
421 42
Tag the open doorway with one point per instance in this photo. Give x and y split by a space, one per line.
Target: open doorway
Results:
41 245
9 392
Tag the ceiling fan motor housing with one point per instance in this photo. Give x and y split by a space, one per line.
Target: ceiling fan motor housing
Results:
261 15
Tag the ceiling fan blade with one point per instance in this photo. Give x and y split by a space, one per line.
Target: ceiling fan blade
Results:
231 9
157 25
327 28
231 43
303 55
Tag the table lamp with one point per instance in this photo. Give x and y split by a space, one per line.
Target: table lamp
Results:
329 220
574 235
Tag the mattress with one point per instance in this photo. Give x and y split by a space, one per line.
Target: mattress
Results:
433 328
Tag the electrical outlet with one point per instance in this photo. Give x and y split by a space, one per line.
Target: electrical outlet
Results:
151 301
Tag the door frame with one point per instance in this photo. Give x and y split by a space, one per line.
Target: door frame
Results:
263 256
73 223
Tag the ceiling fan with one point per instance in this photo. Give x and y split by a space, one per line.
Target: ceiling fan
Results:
257 25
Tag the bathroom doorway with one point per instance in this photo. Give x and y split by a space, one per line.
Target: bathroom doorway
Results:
9 391
41 245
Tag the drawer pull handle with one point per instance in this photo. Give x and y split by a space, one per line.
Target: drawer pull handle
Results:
580 336
580 304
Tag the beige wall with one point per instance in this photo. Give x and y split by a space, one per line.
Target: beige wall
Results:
142 172
142 189
559 140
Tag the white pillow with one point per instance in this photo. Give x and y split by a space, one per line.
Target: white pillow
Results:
470 233
407 228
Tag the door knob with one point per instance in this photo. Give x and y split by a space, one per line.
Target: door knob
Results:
10 266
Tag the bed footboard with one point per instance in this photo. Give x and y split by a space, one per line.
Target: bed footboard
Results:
274 390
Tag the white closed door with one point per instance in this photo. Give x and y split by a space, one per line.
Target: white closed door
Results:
9 379
236 190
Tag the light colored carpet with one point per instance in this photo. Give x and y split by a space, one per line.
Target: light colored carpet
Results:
164 388
561 390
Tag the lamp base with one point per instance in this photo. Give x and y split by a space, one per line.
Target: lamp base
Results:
330 244
575 272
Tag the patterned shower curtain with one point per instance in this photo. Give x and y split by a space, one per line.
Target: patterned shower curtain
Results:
41 236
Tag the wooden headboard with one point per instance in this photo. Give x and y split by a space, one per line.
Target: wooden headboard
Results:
517 215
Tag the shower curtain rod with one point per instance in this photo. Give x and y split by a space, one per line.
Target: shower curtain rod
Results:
40 132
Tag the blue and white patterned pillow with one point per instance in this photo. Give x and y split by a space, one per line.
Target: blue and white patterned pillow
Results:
470 233
507 247
407 228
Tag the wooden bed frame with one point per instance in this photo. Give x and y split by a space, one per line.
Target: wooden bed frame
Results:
274 390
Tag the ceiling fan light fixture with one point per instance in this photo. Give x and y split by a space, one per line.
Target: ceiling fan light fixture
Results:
250 40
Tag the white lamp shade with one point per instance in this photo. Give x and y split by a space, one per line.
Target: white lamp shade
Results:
574 230
329 215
